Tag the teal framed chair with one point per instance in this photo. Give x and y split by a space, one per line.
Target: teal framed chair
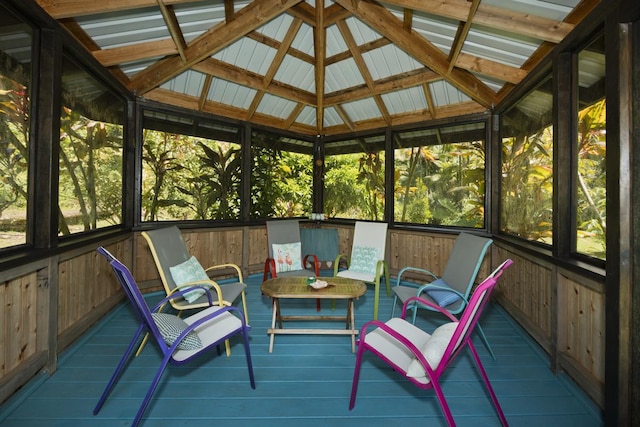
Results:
451 291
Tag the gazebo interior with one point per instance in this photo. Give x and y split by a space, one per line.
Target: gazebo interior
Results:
433 116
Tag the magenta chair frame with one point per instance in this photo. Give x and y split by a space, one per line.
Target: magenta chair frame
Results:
405 337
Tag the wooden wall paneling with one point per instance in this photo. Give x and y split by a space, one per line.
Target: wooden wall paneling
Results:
18 321
215 246
526 288
257 250
581 332
87 289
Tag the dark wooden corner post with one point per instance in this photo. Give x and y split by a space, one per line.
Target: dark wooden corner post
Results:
318 174
622 354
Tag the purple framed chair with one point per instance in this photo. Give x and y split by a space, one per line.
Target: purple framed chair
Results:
423 358
179 340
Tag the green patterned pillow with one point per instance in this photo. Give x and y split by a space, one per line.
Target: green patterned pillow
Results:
190 271
364 259
171 327
287 256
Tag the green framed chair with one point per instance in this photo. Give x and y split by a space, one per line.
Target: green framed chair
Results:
367 261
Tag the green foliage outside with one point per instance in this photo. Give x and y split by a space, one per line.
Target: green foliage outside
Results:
440 185
14 160
90 187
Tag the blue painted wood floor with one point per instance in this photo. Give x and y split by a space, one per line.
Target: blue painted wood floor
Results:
306 381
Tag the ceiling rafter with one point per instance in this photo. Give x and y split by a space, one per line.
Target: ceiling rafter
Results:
461 34
246 20
171 21
421 49
320 48
492 17
158 45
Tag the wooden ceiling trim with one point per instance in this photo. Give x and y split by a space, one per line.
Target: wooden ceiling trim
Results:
171 21
461 34
204 92
135 52
294 115
491 68
320 48
248 19
493 17
421 49
390 84
60 9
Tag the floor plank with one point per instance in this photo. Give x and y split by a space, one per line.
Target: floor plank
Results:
305 381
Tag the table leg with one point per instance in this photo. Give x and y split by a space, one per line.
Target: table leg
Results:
273 323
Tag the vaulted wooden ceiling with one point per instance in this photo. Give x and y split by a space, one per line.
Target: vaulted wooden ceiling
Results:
321 66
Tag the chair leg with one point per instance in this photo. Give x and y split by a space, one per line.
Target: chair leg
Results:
443 403
116 374
376 298
393 308
356 375
142 344
485 378
152 389
485 341
247 351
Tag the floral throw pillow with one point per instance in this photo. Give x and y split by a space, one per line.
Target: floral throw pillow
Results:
190 271
287 256
364 259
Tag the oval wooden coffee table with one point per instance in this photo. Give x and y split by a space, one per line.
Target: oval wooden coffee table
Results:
297 288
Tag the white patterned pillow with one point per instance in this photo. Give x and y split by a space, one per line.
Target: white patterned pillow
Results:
171 327
287 256
364 259
190 271
433 350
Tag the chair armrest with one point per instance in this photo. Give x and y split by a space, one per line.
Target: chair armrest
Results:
436 307
316 263
336 263
415 270
228 265
179 292
198 284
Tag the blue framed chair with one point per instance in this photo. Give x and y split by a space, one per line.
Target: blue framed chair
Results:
179 340
452 290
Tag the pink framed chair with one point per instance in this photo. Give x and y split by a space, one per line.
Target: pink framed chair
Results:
179 340
423 358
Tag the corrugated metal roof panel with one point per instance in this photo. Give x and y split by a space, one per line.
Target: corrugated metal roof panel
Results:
189 83
303 41
360 110
275 106
389 61
229 93
297 73
307 116
444 94
402 101
342 75
248 54
125 28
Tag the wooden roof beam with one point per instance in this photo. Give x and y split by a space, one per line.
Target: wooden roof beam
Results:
220 36
492 17
384 22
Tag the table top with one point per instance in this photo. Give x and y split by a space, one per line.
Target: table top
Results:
297 287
